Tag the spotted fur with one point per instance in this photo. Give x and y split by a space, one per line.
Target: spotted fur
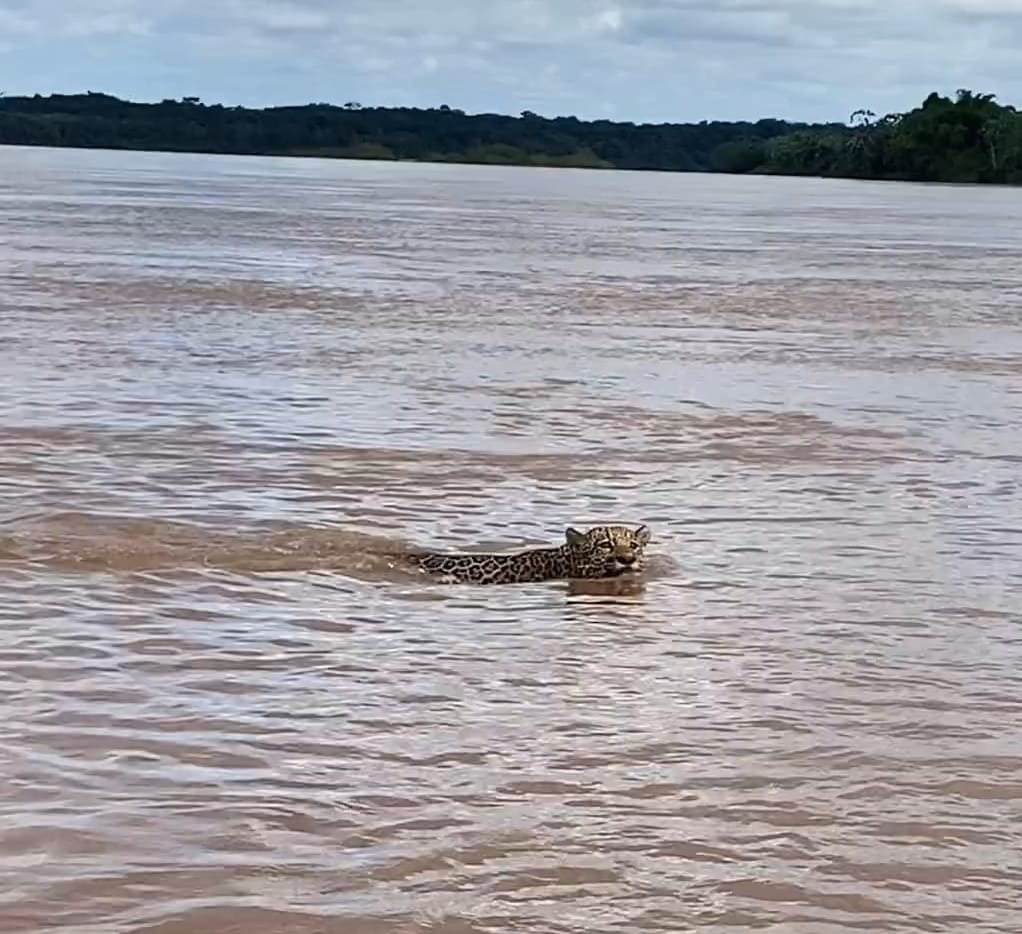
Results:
602 551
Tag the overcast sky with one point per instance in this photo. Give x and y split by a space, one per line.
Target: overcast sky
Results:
642 60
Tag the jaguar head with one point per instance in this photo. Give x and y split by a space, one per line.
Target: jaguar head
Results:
606 550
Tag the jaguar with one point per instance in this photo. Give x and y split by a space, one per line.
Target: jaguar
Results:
599 552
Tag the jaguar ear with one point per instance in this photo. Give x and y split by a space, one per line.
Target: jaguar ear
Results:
574 536
642 534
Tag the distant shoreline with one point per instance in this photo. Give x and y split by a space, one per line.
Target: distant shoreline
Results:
971 139
316 155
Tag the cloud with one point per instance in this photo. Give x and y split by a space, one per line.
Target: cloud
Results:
983 9
82 19
628 59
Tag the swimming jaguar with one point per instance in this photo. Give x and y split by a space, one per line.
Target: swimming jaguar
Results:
602 551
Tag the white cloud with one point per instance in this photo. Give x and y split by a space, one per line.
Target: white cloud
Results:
609 20
983 8
283 17
644 59
81 19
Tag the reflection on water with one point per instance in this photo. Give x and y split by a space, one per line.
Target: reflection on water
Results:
229 385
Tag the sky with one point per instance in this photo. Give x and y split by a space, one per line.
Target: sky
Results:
639 60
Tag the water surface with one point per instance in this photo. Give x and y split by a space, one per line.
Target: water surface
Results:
226 384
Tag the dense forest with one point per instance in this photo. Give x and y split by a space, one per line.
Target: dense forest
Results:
970 138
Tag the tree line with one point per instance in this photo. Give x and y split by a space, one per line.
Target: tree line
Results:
970 138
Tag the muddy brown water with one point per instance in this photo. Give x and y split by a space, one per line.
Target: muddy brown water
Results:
226 384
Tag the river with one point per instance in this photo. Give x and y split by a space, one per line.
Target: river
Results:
228 384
